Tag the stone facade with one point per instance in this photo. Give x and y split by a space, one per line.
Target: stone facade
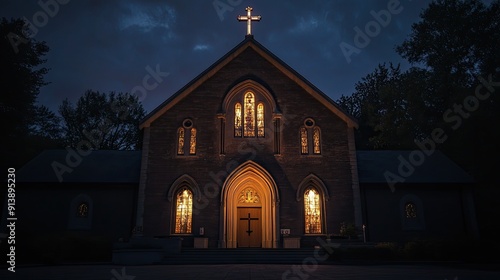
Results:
210 107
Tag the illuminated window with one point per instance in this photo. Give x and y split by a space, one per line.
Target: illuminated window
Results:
310 138
303 140
237 120
410 211
249 118
180 141
316 140
83 210
260 120
249 129
186 138
192 142
312 211
184 211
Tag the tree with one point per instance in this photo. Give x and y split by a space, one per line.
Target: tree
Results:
102 121
457 41
21 80
390 107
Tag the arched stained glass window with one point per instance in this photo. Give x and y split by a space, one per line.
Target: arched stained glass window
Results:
410 211
310 138
192 142
184 211
260 120
316 141
303 140
180 141
237 120
249 129
83 210
312 211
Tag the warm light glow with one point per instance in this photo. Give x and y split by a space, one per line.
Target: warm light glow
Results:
249 130
237 120
316 141
312 211
260 120
249 195
303 140
180 141
192 142
83 210
411 211
184 214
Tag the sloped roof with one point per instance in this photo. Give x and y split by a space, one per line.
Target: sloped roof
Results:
105 166
102 166
249 42
436 168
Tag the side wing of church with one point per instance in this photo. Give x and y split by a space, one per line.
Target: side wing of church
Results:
248 148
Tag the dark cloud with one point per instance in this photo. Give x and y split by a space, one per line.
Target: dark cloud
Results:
107 45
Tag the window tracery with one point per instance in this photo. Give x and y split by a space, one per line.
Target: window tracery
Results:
312 211
184 211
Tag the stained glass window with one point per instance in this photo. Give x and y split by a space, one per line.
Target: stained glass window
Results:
184 211
260 120
249 129
180 141
237 120
312 211
303 140
410 211
83 210
316 141
192 142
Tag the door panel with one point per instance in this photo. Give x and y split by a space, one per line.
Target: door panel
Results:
249 227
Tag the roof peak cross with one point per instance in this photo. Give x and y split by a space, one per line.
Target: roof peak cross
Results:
249 18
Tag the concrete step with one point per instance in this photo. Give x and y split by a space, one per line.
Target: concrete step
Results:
248 256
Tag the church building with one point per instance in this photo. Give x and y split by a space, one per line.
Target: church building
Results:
247 154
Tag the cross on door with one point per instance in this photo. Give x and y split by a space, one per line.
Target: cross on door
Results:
249 231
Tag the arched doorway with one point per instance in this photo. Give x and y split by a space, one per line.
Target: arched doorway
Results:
250 203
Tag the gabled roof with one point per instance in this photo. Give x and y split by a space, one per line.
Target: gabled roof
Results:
249 42
102 166
436 168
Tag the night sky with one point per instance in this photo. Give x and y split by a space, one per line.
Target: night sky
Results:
107 45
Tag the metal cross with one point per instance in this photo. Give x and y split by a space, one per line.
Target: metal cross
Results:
249 231
249 18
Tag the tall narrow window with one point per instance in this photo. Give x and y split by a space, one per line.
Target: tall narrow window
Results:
310 138
249 129
237 120
192 142
180 141
312 211
83 210
303 140
316 141
260 120
410 210
184 211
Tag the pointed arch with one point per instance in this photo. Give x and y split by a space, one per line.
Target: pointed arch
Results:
315 181
252 86
184 180
249 174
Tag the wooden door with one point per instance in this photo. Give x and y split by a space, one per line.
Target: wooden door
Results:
249 227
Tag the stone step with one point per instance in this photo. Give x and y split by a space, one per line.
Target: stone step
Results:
249 256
